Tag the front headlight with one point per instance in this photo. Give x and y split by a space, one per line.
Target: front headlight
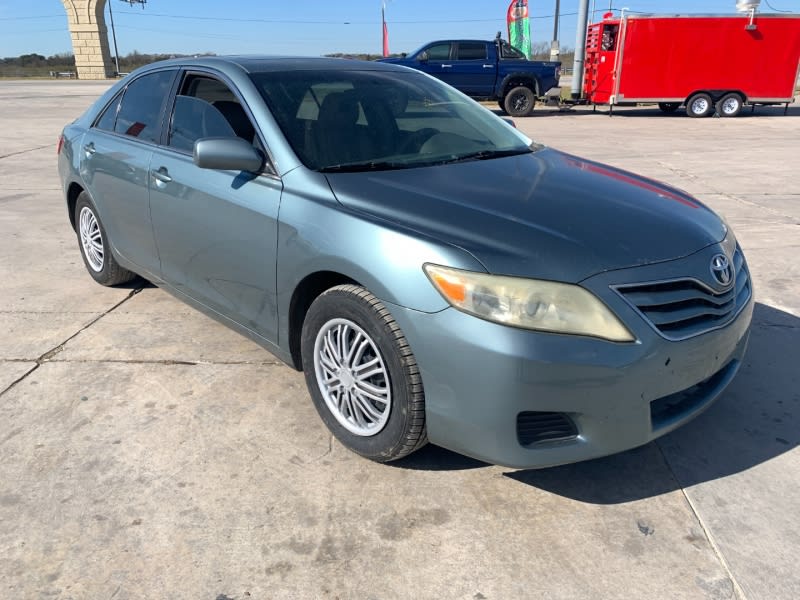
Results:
528 303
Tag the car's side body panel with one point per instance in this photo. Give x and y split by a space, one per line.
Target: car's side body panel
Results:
217 238
116 174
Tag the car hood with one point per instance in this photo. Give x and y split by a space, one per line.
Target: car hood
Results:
546 214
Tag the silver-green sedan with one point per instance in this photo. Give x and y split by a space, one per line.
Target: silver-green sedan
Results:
436 274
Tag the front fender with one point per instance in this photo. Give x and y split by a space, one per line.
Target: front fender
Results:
317 234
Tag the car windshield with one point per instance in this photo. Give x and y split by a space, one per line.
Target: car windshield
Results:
340 120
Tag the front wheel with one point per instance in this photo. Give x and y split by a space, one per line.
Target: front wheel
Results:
700 105
519 102
362 375
730 105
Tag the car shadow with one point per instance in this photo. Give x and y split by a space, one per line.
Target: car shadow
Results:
756 420
137 283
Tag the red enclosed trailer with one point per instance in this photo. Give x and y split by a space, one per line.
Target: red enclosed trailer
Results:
722 61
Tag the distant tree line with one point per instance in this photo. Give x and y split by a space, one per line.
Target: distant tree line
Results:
37 65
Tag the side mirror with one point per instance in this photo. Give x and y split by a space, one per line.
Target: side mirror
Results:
422 57
227 154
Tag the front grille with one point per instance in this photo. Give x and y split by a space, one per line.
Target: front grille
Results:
683 308
673 408
538 427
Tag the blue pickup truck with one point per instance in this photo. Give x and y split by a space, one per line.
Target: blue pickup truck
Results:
492 70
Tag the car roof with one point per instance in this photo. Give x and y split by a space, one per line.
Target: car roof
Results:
263 64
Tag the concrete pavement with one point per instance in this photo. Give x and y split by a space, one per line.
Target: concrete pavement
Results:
148 452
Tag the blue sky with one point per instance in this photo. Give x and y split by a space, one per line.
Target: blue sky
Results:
312 27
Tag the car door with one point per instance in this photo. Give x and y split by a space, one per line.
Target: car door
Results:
435 60
115 161
473 71
216 230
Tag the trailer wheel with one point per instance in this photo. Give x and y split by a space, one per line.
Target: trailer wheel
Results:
669 107
700 105
730 105
519 101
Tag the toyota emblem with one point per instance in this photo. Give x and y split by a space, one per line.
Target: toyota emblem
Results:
722 270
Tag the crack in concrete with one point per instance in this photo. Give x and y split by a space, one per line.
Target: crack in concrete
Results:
58 348
165 361
26 151
738 592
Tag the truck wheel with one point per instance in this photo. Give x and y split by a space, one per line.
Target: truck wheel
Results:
730 105
700 105
502 105
669 107
519 101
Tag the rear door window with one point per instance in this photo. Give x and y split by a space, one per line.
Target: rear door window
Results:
139 114
471 51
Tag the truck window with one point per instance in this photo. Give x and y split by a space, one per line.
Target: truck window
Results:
508 51
471 51
609 40
438 52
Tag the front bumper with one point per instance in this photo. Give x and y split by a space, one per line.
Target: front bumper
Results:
479 376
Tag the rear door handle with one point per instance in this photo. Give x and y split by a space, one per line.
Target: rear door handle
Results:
161 175
488 66
447 66
89 149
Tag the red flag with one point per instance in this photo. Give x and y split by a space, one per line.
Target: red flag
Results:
385 34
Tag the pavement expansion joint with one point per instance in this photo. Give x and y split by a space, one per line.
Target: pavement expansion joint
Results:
738 592
2 156
166 361
47 356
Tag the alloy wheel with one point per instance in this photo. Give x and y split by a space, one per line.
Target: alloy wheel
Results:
91 239
352 377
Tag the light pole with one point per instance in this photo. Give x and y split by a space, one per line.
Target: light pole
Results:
114 37
555 49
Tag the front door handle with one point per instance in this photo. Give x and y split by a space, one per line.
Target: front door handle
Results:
447 66
161 175
488 66
89 149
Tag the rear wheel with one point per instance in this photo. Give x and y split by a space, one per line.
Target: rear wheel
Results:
669 107
519 101
730 105
501 104
95 247
362 375
700 105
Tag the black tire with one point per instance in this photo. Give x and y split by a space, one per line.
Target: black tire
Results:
519 101
502 105
669 107
403 430
730 105
101 264
699 105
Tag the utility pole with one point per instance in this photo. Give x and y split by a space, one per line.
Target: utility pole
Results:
580 48
555 48
114 36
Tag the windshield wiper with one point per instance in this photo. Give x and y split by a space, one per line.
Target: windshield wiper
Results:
486 155
367 165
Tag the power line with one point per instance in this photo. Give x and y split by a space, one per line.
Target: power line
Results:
776 9
328 22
